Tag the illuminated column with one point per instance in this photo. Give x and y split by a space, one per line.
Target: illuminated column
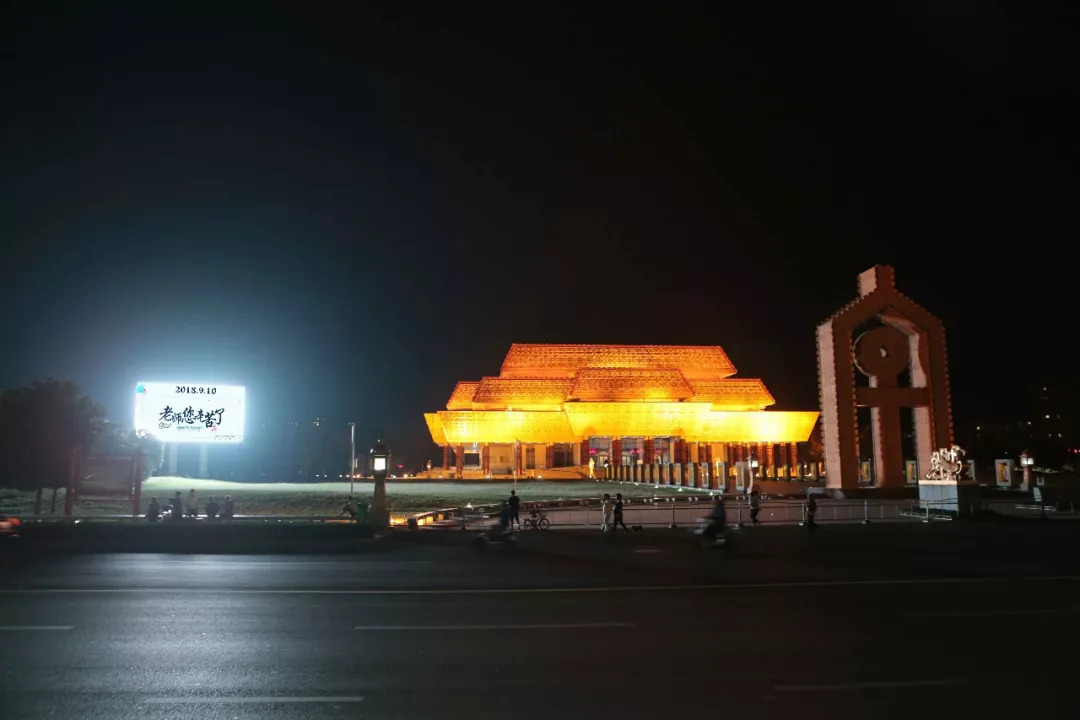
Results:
446 457
693 452
649 451
549 456
678 454
782 465
793 460
584 452
575 450
485 459
459 459
616 452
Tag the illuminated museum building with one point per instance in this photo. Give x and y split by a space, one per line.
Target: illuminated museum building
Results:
634 406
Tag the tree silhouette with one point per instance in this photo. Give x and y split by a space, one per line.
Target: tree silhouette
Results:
41 426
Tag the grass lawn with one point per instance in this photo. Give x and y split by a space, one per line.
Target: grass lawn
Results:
327 498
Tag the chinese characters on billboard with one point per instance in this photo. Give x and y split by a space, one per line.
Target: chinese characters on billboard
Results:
190 413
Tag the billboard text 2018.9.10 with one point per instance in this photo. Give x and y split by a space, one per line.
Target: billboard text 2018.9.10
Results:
190 413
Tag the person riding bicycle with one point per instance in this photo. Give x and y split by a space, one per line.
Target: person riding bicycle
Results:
717 520
504 521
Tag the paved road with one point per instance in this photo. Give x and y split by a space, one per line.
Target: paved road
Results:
441 630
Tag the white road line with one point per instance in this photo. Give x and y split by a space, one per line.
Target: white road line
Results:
992 613
546 590
14 628
556 626
881 685
239 700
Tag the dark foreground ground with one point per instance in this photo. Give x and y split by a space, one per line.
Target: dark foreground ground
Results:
884 622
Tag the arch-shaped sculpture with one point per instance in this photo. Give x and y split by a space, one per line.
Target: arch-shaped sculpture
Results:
909 338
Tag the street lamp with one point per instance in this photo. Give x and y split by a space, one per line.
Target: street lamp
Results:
1027 462
380 465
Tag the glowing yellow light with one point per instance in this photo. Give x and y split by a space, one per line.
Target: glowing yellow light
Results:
564 393
435 428
694 361
469 426
461 398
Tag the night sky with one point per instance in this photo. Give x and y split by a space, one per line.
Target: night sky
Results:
347 212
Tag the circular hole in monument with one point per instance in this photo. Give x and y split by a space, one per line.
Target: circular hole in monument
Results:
884 352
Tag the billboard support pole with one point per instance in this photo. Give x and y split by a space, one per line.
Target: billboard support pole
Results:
352 457
73 470
136 502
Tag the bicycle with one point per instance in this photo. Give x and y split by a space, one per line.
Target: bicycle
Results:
537 520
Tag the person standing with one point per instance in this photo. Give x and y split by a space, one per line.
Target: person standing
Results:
755 506
177 507
153 513
606 507
192 504
515 503
811 511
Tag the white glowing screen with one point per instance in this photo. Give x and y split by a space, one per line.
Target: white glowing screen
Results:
203 413
379 464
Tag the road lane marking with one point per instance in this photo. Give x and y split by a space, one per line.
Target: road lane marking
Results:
555 626
880 685
545 590
266 699
15 628
992 613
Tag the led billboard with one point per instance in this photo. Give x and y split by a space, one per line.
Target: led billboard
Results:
190 413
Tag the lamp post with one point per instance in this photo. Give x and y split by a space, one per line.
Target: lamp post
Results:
1026 462
352 457
380 464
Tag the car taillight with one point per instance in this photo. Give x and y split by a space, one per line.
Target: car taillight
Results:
15 522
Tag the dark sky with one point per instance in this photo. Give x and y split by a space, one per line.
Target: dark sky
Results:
347 212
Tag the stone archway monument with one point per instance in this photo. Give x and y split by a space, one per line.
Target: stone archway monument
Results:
900 348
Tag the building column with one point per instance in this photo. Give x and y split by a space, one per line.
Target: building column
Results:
485 459
584 451
616 452
678 452
693 452
459 459
770 456
649 451
549 459
782 465
793 460
446 457
575 455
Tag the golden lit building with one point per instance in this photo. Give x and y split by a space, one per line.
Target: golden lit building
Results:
554 408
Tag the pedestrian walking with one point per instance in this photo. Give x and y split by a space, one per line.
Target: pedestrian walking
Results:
811 511
755 506
617 515
606 508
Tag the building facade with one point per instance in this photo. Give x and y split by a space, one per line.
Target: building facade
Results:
582 410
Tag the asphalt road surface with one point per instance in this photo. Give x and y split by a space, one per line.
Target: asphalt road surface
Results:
443 631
